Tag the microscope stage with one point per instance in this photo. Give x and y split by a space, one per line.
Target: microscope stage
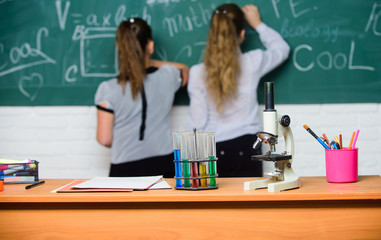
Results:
271 157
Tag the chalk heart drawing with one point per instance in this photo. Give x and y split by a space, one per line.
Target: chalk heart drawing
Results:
30 86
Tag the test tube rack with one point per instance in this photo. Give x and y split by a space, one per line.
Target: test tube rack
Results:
204 178
195 160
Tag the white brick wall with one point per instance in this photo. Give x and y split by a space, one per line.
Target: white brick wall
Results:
62 139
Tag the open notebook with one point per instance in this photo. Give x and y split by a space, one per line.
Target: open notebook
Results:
115 184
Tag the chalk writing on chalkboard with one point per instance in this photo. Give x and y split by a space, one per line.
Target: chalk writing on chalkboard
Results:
26 51
57 52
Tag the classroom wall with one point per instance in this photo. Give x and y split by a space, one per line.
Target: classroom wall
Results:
62 139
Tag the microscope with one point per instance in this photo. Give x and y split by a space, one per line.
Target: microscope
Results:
274 125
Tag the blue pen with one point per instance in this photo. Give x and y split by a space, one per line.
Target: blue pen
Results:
333 145
317 138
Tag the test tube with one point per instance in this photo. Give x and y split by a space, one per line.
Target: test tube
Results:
202 155
192 140
177 158
185 158
212 156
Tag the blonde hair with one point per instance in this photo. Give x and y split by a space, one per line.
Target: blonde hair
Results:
132 38
221 57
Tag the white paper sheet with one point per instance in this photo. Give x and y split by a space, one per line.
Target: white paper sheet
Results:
120 182
161 185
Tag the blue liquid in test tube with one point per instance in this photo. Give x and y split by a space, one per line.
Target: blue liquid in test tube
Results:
178 167
177 157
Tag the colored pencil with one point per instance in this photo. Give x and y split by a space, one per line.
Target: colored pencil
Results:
341 140
355 140
338 141
351 142
325 137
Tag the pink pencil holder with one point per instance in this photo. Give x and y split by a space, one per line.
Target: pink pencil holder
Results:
341 165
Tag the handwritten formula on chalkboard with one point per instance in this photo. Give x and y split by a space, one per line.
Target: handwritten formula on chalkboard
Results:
57 52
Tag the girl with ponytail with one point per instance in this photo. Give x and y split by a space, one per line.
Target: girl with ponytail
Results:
223 89
133 109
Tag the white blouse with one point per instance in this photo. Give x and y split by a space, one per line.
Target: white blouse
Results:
160 88
240 117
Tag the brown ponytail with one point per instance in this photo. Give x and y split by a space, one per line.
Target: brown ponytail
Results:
132 38
221 57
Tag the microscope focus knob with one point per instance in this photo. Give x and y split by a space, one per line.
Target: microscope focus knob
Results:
285 121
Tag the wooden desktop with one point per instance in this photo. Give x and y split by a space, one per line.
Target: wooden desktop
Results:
317 210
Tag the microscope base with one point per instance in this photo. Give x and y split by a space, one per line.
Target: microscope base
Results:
272 184
287 180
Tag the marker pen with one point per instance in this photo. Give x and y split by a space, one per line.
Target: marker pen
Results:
11 166
35 184
12 170
10 161
20 179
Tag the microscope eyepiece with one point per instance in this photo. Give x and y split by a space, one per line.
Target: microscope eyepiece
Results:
269 96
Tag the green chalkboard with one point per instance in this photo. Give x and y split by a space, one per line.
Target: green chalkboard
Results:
56 52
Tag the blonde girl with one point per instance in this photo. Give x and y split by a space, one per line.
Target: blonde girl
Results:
223 88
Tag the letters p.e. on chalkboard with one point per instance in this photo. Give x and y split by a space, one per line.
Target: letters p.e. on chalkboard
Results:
57 52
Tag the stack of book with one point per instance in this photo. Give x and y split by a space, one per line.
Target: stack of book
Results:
18 171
